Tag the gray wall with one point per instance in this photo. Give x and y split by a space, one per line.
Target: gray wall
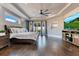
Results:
55 26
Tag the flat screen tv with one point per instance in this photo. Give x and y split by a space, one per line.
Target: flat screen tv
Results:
72 22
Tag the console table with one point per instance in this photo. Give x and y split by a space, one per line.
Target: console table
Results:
71 36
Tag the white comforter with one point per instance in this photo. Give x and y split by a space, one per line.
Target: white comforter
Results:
25 35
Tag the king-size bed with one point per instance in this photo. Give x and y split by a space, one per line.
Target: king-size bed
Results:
20 34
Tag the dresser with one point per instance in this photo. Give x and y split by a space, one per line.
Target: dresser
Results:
4 40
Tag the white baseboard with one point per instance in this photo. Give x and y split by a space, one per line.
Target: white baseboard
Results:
57 36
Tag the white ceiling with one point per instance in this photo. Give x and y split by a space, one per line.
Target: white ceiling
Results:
33 9
12 8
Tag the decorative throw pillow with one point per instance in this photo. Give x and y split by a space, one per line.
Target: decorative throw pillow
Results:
12 30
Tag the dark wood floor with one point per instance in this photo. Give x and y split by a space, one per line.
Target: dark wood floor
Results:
49 47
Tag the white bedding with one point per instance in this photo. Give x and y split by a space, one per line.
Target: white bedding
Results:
24 35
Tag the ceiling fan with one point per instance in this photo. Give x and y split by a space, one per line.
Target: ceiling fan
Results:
44 12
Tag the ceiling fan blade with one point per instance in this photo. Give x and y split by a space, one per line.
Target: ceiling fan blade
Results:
45 14
46 10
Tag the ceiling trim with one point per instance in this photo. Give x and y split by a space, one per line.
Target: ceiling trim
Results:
20 9
64 8
10 11
60 11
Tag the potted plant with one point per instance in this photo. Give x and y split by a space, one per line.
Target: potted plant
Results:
2 31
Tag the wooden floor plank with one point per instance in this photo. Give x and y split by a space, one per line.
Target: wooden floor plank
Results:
45 47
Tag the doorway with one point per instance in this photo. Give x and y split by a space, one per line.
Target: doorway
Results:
38 26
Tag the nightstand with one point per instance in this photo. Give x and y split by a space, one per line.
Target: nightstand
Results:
4 40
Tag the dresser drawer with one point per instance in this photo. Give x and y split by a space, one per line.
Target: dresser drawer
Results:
3 44
3 41
2 38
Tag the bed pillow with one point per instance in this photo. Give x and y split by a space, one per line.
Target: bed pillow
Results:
18 30
14 30
25 30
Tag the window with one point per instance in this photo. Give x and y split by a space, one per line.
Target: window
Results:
72 18
10 19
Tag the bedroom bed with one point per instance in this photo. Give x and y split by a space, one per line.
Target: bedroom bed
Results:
21 35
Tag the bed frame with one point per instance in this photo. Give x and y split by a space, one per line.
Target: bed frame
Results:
16 40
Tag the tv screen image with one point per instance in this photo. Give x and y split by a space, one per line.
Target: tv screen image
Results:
72 22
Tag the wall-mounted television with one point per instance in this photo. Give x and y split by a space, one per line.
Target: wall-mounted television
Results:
72 22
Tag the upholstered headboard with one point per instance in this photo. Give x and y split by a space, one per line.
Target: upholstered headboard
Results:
8 30
15 27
